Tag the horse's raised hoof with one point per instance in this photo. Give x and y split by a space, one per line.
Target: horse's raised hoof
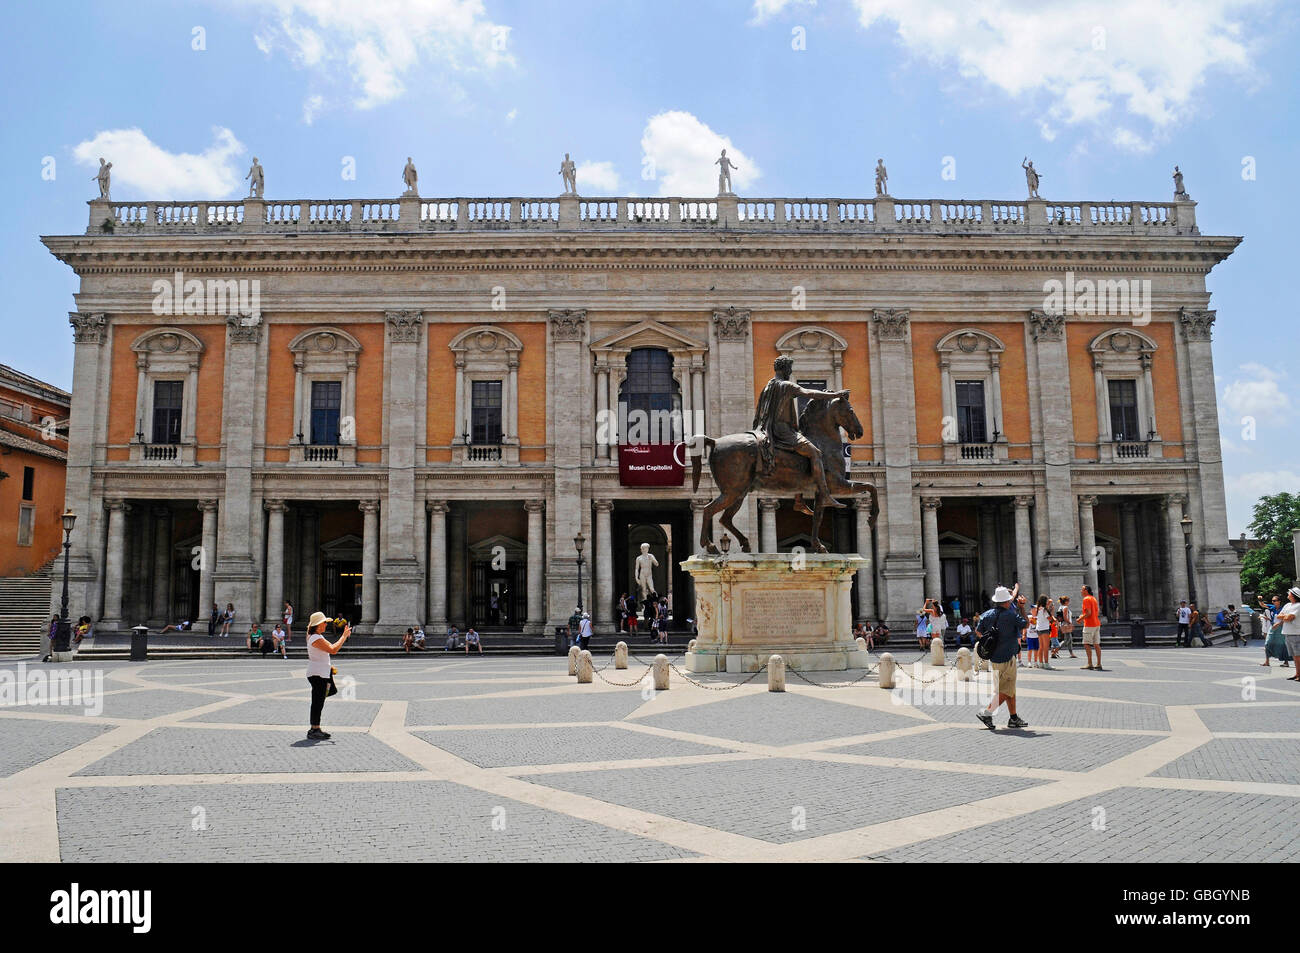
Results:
801 507
712 549
744 548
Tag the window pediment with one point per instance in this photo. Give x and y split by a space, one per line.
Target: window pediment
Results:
486 341
650 334
324 342
810 338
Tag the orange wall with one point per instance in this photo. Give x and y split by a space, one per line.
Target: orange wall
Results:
47 499
856 373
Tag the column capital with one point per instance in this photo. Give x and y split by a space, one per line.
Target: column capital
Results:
118 505
244 328
1023 502
699 504
568 324
769 504
1088 500
732 324
891 323
865 504
368 506
931 502
1046 327
1197 325
404 326
535 506
603 506
275 506
207 506
88 327
436 506
1176 500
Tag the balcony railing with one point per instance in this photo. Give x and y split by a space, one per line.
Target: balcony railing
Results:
321 453
871 215
1131 450
482 452
161 451
977 451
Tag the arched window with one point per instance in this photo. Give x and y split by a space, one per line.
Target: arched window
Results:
651 395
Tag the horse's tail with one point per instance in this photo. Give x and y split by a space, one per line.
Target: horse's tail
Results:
697 459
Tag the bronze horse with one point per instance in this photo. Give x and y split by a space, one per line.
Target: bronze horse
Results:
734 464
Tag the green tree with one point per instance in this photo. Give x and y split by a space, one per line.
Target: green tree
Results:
1270 570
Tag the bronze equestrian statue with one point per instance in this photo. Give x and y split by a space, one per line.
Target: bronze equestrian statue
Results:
783 453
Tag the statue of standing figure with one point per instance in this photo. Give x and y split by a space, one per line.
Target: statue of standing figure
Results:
410 177
646 564
257 180
882 178
725 166
104 177
1179 191
569 173
1031 177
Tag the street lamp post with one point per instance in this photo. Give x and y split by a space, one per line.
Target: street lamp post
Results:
1186 524
578 542
62 641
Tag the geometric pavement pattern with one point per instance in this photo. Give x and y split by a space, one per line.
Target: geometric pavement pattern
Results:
1170 755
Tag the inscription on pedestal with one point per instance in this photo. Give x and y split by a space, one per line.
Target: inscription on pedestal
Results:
780 614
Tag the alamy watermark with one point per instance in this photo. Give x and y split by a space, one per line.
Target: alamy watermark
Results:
1104 296
23 686
181 295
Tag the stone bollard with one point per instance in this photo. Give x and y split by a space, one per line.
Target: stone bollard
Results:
862 643
776 674
620 655
661 672
886 670
936 651
964 664
690 646
573 659
584 668
980 664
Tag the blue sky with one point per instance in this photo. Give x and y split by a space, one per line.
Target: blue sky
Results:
487 96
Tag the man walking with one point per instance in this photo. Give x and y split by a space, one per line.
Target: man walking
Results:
1006 622
1184 625
1090 619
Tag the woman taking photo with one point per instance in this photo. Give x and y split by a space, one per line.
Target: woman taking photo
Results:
319 652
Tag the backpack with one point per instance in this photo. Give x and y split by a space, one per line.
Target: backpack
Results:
988 635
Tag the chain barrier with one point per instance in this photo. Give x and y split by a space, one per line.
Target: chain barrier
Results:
622 684
720 688
804 678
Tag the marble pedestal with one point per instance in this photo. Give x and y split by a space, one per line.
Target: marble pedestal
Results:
753 605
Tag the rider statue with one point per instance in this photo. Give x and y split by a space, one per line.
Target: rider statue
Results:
776 424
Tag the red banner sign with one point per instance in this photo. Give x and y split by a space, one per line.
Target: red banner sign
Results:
652 464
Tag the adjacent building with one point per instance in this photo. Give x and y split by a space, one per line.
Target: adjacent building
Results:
33 453
419 409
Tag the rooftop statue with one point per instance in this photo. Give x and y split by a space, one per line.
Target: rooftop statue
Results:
882 178
104 177
1031 177
257 180
725 166
569 173
410 177
1180 193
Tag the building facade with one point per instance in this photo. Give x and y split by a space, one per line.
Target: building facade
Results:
409 410
33 452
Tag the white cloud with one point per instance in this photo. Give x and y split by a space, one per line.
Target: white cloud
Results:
310 107
764 10
378 44
1087 59
681 152
510 116
150 170
1243 491
1130 141
597 176
1258 394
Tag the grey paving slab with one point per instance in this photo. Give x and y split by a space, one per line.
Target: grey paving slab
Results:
411 822
780 718
1141 825
293 712
412 691
1151 692
219 751
536 709
559 744
1268 760
132 703
25 742
1252 717
1041 748
769 798
1051 712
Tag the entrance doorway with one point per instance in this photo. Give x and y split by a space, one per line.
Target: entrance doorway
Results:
666 527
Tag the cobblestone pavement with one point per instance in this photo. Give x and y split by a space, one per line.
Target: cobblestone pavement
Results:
1170 755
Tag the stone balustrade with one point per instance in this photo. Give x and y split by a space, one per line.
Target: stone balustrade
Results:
568 213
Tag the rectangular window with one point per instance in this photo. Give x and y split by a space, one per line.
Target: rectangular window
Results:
326 401
971 425
26 520
167 398
29 483
800 402
1123 410
485 412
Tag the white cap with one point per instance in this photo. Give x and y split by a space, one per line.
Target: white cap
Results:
1001 594
1295 591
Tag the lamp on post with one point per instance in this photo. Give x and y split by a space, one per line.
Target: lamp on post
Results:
1186 524
62 641
578 542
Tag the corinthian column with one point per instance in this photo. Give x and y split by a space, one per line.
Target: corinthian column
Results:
208 558
369 562
1024 548
162 561
602 556
1178 588
536 570
767 525
274 559
930 545
1088 542
867 574
117 510
437 565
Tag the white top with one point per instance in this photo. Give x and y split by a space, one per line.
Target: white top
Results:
1292 609
318 660
940 622
1043 620
419 635
1184 615
1066 617
963 629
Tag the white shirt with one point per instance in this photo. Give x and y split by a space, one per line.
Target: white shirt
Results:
940 622
1042 621
1292 609
1184 615
963 629
318 660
